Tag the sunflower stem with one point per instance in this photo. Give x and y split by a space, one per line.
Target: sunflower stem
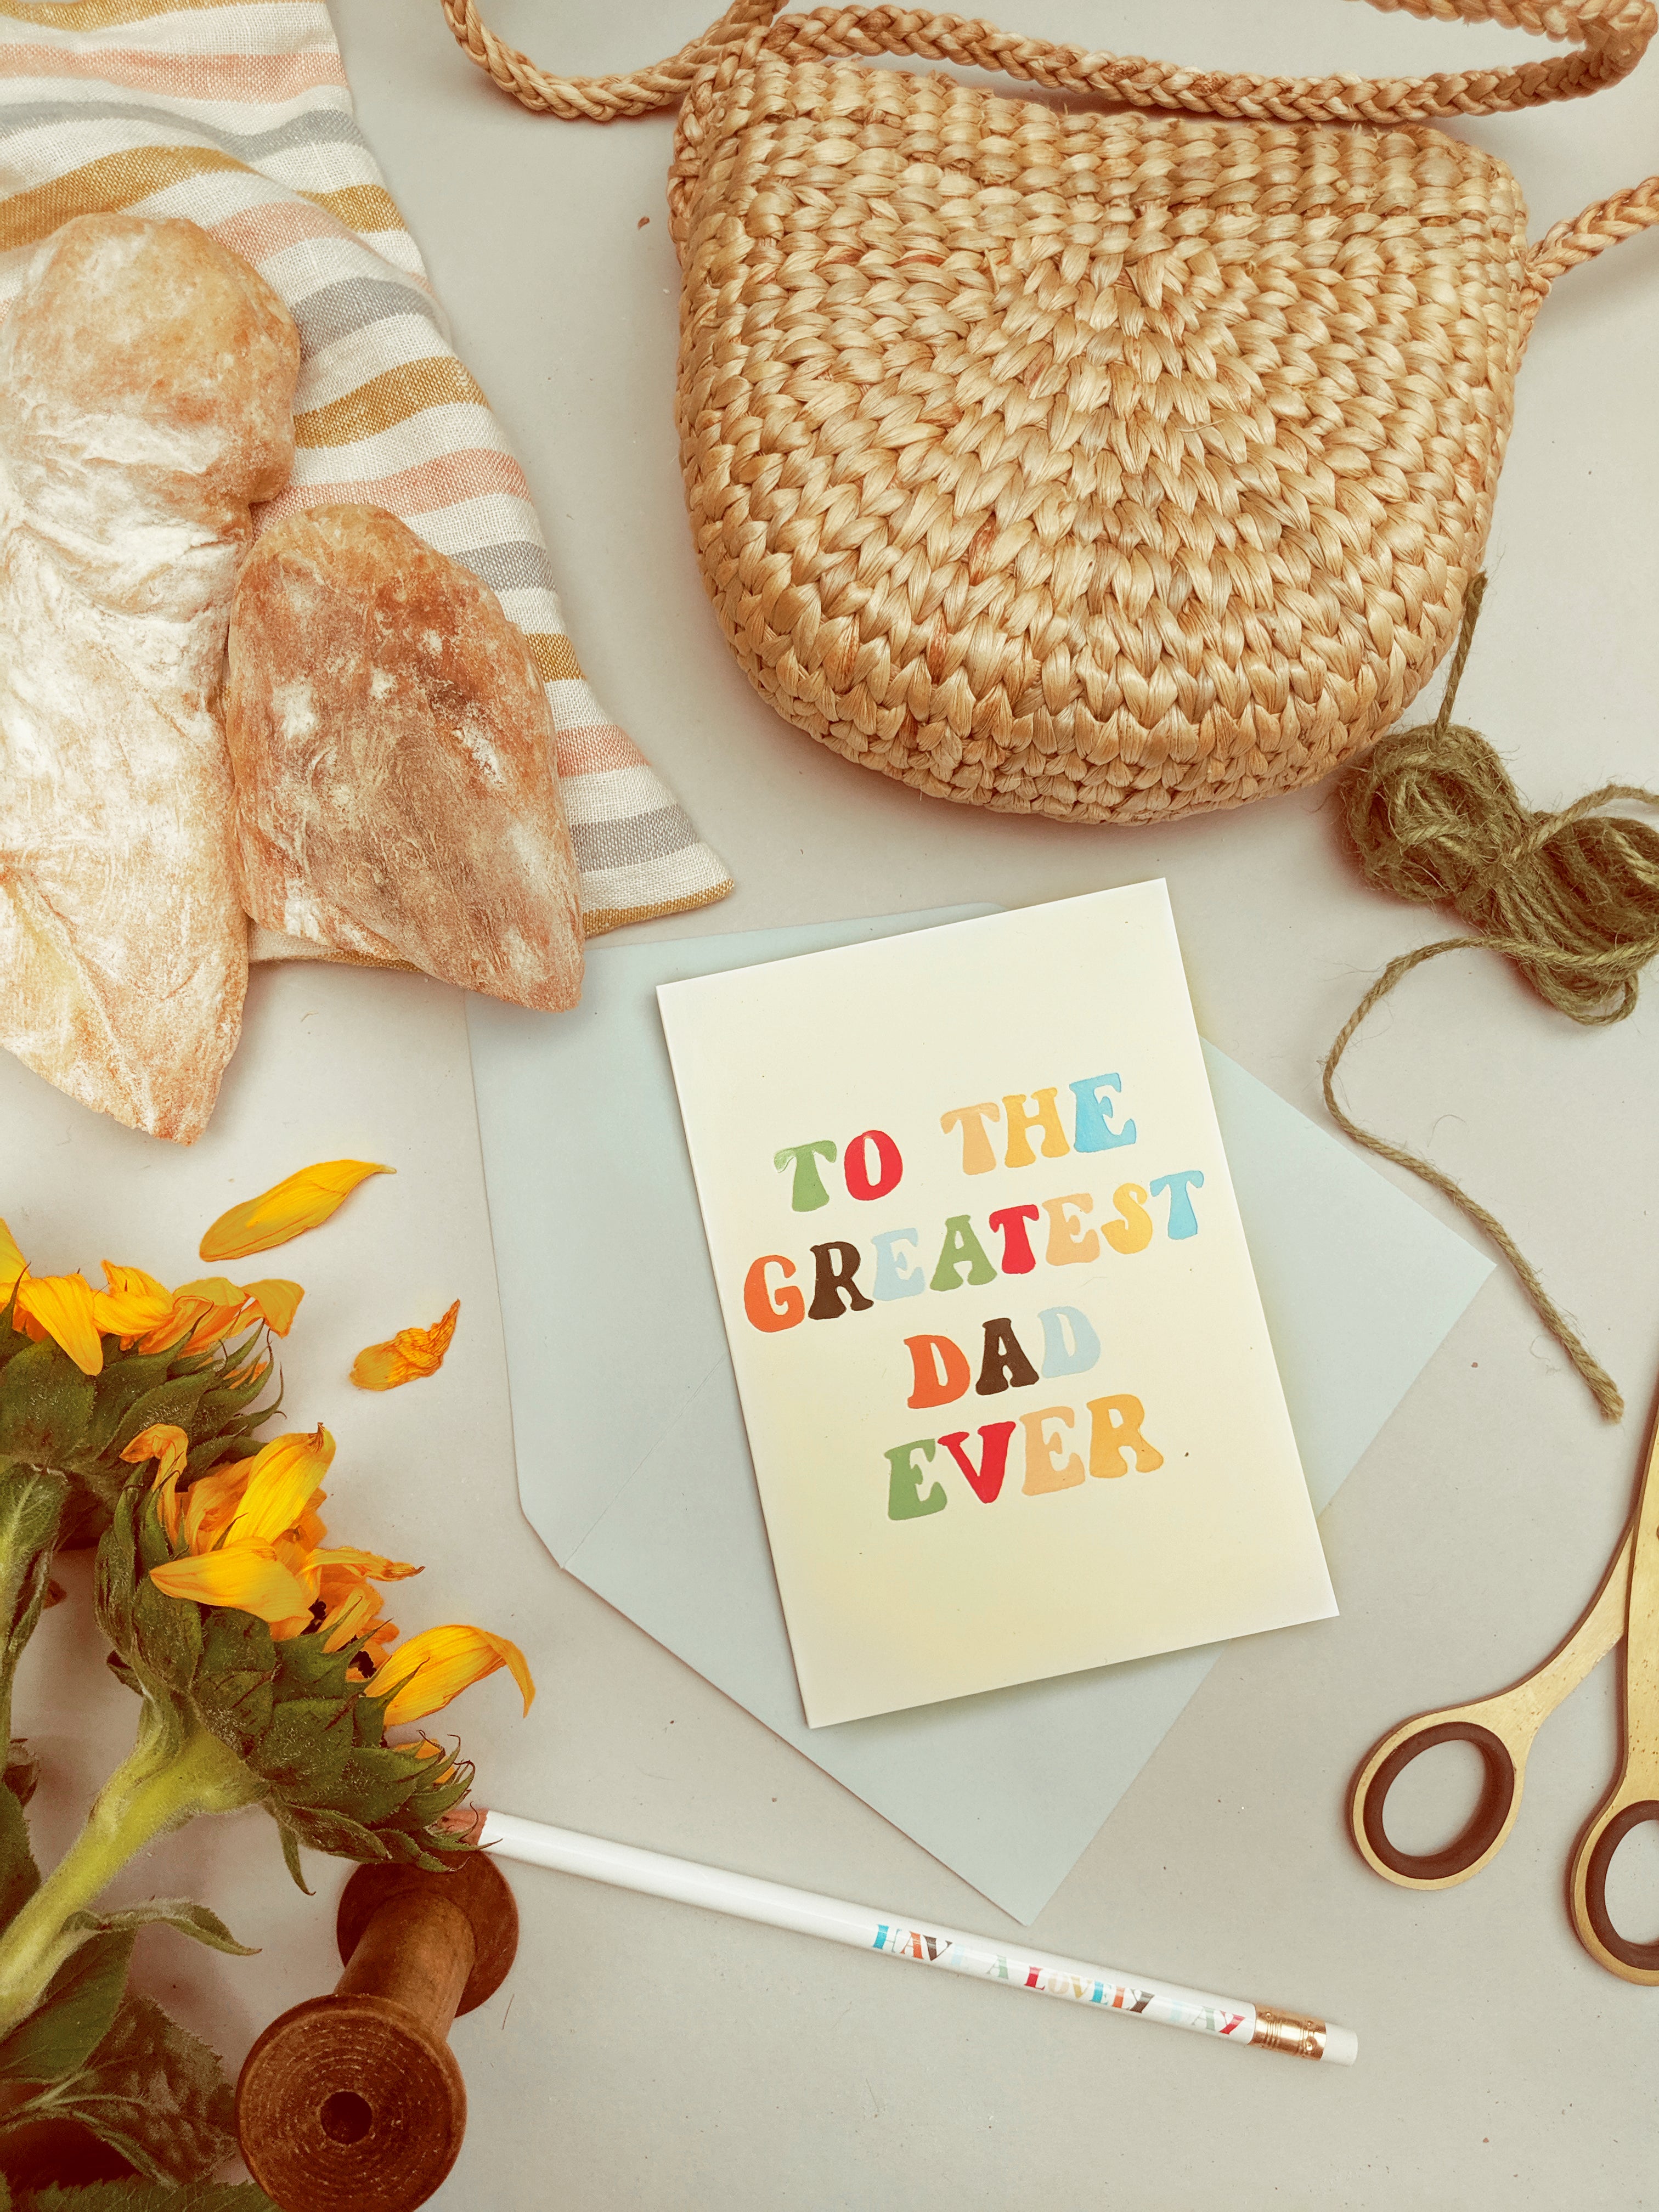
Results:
175 1770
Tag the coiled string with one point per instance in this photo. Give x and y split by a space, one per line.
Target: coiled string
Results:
1572 898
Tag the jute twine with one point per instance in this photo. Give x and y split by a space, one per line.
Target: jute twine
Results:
1103 465
1570 897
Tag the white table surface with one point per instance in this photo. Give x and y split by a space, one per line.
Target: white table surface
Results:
643 2054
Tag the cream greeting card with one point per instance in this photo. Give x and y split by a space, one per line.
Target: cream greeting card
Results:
1008 1388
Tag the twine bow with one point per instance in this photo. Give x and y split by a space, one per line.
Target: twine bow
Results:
1571 898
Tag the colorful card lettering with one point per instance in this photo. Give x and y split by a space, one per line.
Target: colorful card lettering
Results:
1008 1388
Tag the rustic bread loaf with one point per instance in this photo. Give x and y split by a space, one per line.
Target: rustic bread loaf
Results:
146 385
393 751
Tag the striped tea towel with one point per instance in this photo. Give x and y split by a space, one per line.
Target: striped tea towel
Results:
237 113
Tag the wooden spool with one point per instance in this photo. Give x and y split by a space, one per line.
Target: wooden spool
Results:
353 2102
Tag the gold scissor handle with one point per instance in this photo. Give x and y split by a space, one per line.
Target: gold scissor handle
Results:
1504 1762
1634 1796
1626 1806
1501 1728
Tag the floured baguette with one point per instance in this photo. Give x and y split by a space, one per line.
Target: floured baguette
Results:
146 387
395 793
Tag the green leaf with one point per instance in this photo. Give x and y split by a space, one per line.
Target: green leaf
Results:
75 2015
156 2094
166 1632
18 1877
291 1856
184 1914
172 1402
127 1378
45 1404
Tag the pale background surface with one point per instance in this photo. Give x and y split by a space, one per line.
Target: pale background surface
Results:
645 2056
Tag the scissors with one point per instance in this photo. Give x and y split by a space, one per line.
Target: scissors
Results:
1501 1728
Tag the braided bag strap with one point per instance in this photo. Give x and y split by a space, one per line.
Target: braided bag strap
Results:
600 99
1606 37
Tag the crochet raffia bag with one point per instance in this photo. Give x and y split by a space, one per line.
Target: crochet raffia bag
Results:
1102 465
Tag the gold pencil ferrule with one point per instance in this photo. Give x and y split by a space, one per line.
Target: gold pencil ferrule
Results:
1291 2031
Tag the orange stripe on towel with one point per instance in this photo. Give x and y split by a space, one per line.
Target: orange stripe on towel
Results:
264 80
602 745
469 474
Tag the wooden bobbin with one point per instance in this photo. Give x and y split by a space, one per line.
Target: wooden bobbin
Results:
353 2102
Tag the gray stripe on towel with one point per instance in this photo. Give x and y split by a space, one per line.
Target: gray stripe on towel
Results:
325 126
510 567
634 838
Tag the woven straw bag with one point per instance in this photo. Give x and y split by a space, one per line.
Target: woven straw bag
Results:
1099 464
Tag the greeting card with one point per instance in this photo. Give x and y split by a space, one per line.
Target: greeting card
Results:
1009 1391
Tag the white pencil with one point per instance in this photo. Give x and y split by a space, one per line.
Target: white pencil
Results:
746 1898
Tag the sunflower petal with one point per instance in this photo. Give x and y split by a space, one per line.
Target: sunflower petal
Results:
181 1319
170 1448
134 1304
276 1301
423 1674
211 1500
281 1485
165 1442
63 1306
288 1209
369 1565
382 1367
248 1577
412 1353
215 1304
13 1265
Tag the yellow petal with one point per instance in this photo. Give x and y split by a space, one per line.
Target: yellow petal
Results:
170 1448
182 1318
211 1500
163 1442
354 1615
381 1367
438 1664
281 1485
134 1304
13 1265
369 1565
302 1201
215 1305
213 1290
412 1353
63 1306
248 1577
277 1301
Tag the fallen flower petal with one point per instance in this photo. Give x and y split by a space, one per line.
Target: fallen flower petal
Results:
249 1576
62 1307
276 1301
423 1674
288 1209
407 1356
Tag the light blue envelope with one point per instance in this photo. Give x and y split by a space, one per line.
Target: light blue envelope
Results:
633 1465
